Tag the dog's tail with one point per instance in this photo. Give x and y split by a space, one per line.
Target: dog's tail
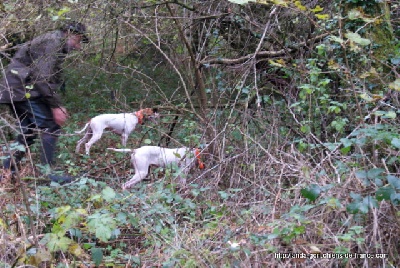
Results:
83 129
120 150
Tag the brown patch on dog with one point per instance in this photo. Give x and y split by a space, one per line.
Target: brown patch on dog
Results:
146 113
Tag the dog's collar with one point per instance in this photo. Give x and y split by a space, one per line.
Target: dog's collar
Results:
197 155
139 115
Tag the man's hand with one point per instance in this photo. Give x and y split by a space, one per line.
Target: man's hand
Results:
60 115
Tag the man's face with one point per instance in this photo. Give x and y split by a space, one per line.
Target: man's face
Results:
73 42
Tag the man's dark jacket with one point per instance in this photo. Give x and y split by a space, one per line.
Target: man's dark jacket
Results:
35 71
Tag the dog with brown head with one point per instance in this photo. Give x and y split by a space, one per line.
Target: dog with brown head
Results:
122 124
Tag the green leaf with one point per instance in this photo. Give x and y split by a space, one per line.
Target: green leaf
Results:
102 225
370 201
62 11
35 257
396 142
76 250
356 38
390 115
305 128
283 3
115 233
395 198
366 97
352 208
272 236
223 194
88 245
386 114
345 150
356 207
62 210
97 255
333 203
108 194
384 193
121 217
311 193
298 230
95 197
367 176
363 175
336 39
395 61
375 172
355 196
74 232
317 9
55 243
346 237
71 219
356 14
361 205
300 6
394 181
18 147
346 142
322 16
147 141
103 232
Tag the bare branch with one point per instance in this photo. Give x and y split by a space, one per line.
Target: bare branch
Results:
262 54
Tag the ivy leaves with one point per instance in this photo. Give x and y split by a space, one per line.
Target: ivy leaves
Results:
102 225
374 177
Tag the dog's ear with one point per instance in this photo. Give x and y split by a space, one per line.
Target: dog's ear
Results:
147 111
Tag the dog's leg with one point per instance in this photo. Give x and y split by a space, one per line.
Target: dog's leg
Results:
95 137
141 171
124 137
81 141
135 179
183 174
185 166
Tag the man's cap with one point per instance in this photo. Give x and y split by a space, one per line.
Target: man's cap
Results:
78 28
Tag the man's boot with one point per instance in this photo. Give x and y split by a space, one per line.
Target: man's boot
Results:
8 165
47 158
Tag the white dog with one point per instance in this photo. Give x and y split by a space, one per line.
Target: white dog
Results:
122 124
143 157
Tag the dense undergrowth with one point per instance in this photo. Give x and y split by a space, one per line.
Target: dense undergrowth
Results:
263 193
301 158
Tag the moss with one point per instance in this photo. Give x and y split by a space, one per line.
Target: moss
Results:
382 34
382 37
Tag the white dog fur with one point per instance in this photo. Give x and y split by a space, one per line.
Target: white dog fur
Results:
122 124
143 157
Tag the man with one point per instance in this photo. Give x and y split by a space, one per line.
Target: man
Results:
29 86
